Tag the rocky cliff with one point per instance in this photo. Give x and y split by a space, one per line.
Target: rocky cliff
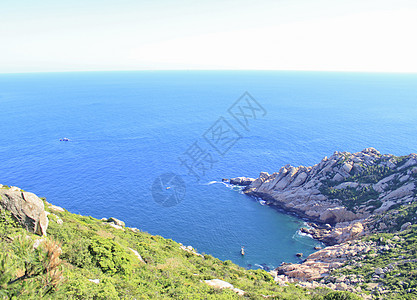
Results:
341 188
347 196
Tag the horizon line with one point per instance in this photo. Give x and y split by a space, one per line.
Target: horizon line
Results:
212 70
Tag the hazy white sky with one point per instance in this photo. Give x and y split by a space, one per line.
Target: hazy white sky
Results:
353 35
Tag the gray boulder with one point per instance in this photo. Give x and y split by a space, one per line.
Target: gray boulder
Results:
26 208
379 271
405 226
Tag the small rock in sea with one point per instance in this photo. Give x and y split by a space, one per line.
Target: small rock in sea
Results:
318 248
225 180
242 181
299 254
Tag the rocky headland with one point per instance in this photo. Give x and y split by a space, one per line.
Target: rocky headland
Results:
361 205
346 197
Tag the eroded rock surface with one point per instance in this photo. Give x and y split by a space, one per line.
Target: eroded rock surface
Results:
26 208
242 181
319 264
346 196
344 187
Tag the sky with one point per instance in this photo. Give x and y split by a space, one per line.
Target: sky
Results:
95 35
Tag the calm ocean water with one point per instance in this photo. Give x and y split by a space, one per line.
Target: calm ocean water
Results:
126 128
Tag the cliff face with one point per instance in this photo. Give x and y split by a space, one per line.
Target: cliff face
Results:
364 205
26 208
342 188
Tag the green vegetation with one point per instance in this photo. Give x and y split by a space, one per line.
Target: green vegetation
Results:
85 258
353 198
370 174
25 268
399 160
343 160
364 194
397 216
390 269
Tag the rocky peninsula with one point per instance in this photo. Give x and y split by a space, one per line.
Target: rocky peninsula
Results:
347 197
361 205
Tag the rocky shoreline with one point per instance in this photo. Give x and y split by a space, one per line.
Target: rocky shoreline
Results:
346 196
361 215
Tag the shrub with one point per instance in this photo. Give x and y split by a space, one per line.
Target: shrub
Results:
339 295
109 256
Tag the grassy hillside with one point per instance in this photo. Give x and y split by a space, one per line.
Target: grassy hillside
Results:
86 258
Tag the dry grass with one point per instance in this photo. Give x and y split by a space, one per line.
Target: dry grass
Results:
105 234
171 263
53 271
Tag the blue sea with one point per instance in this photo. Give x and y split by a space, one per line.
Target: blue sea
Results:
128 128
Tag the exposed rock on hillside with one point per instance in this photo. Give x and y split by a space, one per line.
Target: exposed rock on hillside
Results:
347 196
336 235
26 208
342 188
320 263
116 222
221 284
